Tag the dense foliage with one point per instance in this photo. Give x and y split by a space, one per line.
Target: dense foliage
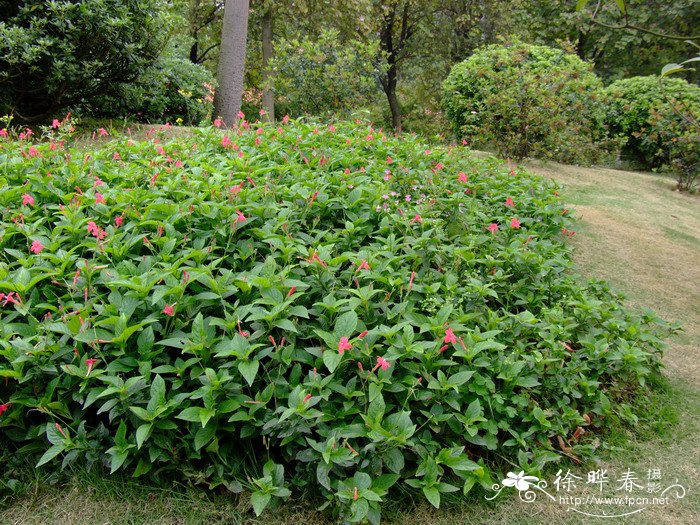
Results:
525 101
322 75
659 120
349 309
59 54
171 90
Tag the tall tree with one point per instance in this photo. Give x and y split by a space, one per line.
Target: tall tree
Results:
267 53
234 34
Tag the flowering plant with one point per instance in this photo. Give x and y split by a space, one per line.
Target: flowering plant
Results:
308 318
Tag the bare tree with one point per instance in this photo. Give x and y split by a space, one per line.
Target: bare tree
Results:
234 33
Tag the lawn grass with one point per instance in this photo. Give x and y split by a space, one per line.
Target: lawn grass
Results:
634 232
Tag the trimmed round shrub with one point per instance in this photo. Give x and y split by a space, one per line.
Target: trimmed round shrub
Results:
327 310
526 100
657 117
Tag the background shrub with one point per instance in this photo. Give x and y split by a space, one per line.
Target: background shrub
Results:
324 309
172 90
60 54
658 120
527 100
323 75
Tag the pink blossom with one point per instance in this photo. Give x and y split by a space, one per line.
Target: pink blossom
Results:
27 199
4 408
389 160
93 228
3 132
99 198
462 177
263 112
307 397
240 217
33 152
218 123
343 345
509 202
36 247
363 266
169 309
383 363
515 223
118 221
449 336
285 119
103 132
240 115
11 298
226 142
417 218
116 156
493 227
90 363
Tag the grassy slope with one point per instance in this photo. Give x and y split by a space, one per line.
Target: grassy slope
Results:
634 232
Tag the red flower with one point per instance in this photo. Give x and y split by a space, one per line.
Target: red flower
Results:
226 142
515 223
343 345
218 123
11 298
493 227
509 202
389 160
240 217
383 363
4 408
462 177
99 198
90 363
55 124
307 397
27 199
449 336
103 132
291 291
169 309
363 266
417 218
363 334
118 221
36 247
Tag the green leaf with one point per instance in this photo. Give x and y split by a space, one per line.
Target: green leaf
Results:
332 358
249 369
143 433
203 436
432 494
346 324
259 501
51 453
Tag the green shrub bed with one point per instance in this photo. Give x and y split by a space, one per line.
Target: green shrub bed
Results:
310 309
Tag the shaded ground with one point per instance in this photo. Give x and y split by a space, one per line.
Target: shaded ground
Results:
634 232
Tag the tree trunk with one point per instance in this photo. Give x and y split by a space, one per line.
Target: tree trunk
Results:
390 91
234 33
267 52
